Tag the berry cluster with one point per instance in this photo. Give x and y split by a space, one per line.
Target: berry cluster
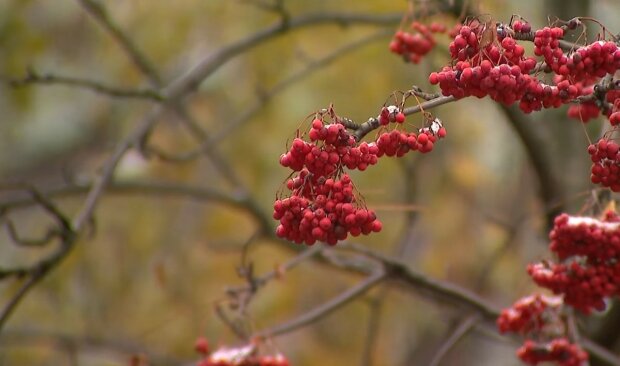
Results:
594 60
547 44
540 317
398 143
504 83
331 147
413 46
530 314
605 164
240 356
391 114
323 204
329 215
559 350
490 62
588 272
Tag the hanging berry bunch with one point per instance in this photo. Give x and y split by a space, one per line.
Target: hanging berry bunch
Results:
588 271
415 44
605 163
539 319
323 203
487 60
585 276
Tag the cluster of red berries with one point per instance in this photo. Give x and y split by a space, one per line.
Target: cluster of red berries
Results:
594 60
323 204
540 317
589 270
530 314
496 66
547 44
415 45
241 356
398 143
391 114
605 164
467 46
500 73
329 215
598 240
331 146
559 350
505 84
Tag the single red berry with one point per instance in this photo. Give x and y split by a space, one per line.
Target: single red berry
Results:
202 346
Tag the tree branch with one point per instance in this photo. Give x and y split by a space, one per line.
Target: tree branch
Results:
323 310
456 335
33 77
264 98
100 14
551 193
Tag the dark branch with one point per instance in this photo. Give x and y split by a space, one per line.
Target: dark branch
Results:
50 79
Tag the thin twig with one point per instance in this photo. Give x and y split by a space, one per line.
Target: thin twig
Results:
100 14
264 98
456 335
323 310
29 242
34 77
373 123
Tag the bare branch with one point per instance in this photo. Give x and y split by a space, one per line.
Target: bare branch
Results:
34 77
26 242
265 97
193 78
373 123
457 334
323 310
100 14
435 289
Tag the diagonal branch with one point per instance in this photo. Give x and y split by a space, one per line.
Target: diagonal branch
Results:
209 143
325 309
100 14
457 334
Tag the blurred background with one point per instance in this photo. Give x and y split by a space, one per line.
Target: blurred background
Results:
144 278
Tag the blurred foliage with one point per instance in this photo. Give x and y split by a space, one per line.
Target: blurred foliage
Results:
154 266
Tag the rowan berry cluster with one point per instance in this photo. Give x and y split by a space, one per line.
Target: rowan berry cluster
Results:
323 204
240 356
589 270
398 143
530 314
325 211
540 317
490 62
559 350
605 168
412 46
